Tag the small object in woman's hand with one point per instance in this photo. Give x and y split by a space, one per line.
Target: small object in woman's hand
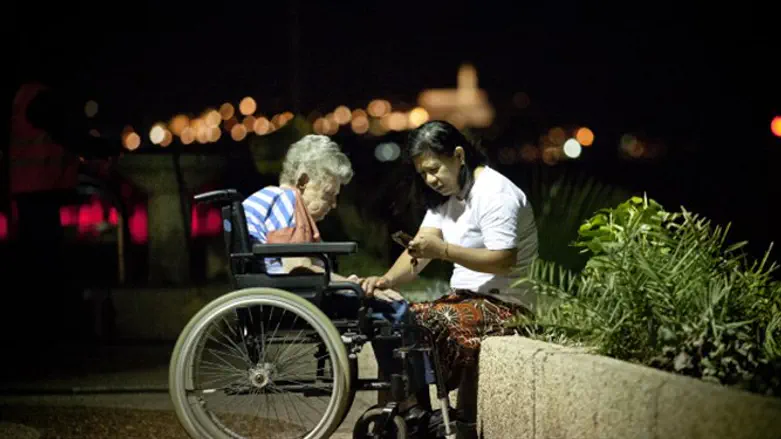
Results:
402 238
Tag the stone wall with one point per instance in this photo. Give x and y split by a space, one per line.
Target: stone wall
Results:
530 389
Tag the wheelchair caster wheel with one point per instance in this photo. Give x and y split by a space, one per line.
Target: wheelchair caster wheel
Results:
370 425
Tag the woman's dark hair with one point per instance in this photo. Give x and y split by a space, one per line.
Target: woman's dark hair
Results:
441 138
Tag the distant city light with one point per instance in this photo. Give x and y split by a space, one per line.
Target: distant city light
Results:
262 126
212 118
387 152
167 138
464 106
132 141
187 136
342 115
572 148
238 132
178 124
379 107
360 123
584 136
417 117
249 123
157 134
91 109
557 135
775 126
397 121
214 134
226 111
247 106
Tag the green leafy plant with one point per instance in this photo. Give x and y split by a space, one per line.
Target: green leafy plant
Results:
666 290
562 201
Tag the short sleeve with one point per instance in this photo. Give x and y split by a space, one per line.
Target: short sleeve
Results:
498 221
432 219
269 210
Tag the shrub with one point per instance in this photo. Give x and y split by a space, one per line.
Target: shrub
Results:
663 289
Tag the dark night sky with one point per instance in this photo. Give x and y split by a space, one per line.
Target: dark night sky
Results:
611 63
690 74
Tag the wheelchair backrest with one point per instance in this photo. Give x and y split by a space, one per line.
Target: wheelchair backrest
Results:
247 266
238 244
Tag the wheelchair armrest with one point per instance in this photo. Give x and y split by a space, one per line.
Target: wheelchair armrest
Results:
309 249
337 286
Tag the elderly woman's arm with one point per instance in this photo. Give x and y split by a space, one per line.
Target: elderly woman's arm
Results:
307 266
303 263
404 270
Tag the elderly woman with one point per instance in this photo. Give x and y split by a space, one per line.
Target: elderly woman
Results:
313 173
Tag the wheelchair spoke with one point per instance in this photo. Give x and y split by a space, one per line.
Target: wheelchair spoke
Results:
297 412
303 400
276 359
298 356
234 346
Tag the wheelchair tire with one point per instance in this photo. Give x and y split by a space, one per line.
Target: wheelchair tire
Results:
351 395
364 427
192 415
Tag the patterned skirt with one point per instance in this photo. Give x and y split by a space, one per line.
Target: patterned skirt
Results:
460 320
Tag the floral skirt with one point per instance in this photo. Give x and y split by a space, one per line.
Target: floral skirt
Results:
459 322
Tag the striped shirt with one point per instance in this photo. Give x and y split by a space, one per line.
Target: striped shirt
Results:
269 209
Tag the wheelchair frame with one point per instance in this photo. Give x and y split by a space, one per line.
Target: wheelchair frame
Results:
248 272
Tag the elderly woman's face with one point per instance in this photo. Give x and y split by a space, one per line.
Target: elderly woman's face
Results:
320 197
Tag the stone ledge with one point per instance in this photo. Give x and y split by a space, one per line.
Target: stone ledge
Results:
530 389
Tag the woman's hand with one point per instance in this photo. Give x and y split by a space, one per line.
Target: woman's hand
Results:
369 284
427 247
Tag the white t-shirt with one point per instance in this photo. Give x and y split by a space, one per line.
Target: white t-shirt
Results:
495 215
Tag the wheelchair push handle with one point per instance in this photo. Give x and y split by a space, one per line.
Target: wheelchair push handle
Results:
219 196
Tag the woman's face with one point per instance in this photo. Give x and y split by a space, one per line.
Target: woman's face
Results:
440 172
320 196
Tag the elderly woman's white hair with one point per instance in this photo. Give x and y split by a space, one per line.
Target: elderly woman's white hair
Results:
318 157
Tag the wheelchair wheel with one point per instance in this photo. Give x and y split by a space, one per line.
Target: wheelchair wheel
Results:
284 373
368 424
351 394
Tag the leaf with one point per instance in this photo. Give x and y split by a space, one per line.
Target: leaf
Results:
682 361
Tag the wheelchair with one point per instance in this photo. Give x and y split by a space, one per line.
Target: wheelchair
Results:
266 361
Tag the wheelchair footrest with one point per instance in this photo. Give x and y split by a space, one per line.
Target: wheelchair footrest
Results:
425 424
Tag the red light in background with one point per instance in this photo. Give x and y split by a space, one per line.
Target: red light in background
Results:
69 216
3 227
775 126
206 220
90 215
138 225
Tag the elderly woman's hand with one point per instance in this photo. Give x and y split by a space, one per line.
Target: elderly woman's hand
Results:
427 247
387 295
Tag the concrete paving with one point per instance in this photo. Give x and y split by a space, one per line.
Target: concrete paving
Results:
129 378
